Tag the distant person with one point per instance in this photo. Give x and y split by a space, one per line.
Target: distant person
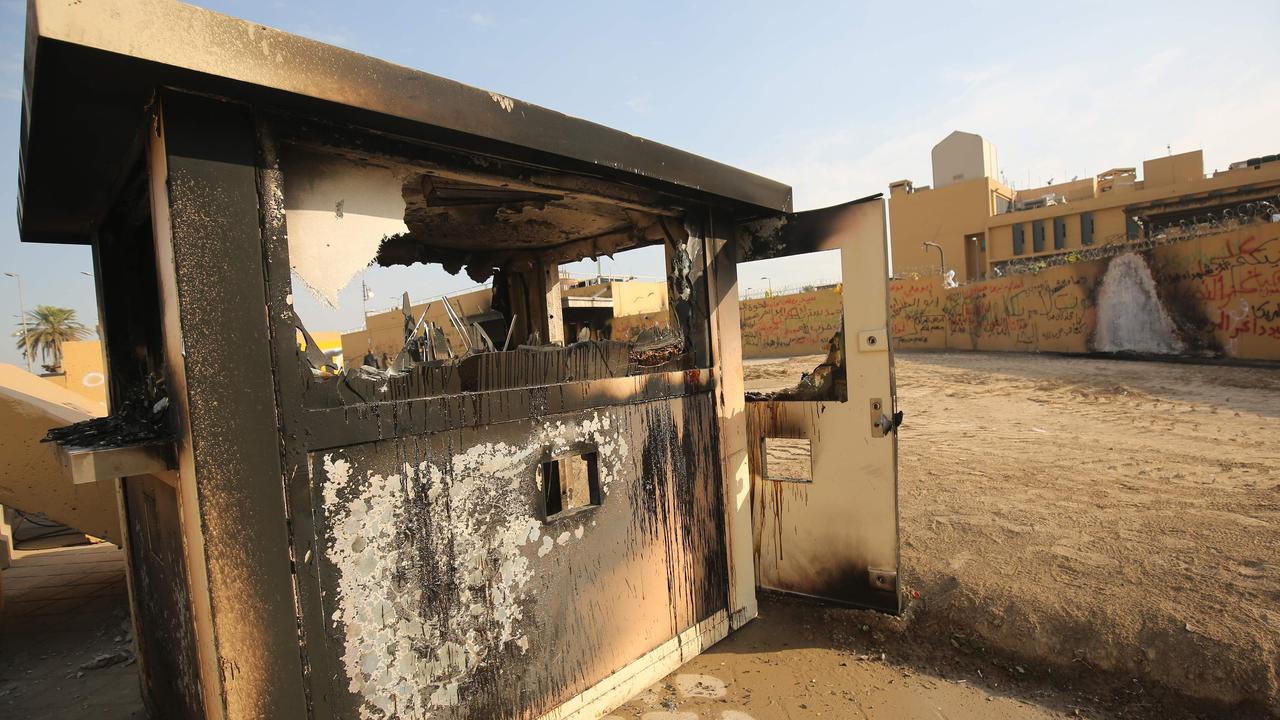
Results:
369 359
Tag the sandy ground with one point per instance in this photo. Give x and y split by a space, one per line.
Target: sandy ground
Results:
1116 515
1091 538
1096 537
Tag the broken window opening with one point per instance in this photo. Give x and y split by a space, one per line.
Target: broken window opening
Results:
787 459
570 485
791 308
633 304
126 268
534 318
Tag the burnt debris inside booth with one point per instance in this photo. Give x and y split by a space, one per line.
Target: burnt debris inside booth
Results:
511 232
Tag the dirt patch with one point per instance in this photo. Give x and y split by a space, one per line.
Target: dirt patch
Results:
1093 518
66 643
802 660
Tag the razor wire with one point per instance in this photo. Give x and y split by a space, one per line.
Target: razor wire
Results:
1197 226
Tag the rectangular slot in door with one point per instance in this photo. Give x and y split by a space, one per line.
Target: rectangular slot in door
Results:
787 459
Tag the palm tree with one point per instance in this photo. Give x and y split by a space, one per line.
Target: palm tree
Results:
44 331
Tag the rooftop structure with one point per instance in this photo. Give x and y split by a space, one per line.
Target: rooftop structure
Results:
981 224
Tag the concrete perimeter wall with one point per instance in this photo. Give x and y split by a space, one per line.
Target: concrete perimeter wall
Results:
1213 296
786 325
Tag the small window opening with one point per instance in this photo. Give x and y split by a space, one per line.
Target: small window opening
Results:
787 459
569 485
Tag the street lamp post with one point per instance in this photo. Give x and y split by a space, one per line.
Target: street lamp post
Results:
942 258
97 327
770 281
22 313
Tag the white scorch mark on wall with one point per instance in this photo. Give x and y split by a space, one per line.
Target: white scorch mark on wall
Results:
411 644
1131 317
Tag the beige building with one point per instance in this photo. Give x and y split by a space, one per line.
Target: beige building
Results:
83 371
981 224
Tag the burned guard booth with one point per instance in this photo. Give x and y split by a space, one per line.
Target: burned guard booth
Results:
511 525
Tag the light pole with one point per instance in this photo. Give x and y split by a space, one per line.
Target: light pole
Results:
770 281
364 310
942 258
22 313
97 327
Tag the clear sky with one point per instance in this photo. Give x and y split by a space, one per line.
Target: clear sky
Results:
835 98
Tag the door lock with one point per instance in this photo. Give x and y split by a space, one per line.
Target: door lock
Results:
882 424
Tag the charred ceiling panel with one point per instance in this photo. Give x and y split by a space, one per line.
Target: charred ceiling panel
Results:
488 226
344 214
455 594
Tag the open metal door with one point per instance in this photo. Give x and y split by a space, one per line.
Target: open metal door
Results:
830 532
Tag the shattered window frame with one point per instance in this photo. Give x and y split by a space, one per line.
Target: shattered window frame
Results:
827 381
435 183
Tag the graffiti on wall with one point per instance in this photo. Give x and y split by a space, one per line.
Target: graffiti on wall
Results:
1238 283
794 324
1212 296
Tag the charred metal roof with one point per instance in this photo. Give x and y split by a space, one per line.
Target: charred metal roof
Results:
91 68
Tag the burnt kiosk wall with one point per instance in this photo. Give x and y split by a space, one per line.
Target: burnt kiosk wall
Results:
487 529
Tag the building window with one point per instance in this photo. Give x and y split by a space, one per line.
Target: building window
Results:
1037 236
1086 228
1132 229
1059 233
1019 240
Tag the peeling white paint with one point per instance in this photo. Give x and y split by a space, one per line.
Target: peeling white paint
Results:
402 657
337 213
